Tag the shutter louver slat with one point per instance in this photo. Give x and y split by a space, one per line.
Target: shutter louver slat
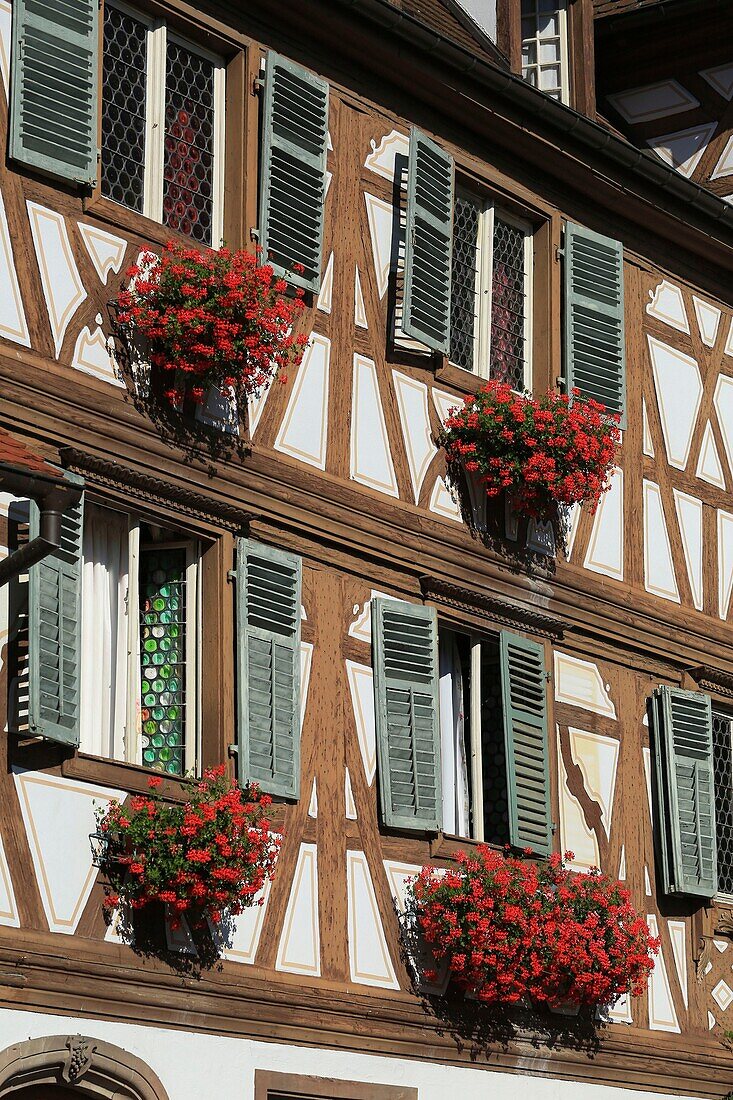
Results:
426 309
595 352
683 754
55 631
268 637
53 117
523 683
406 703
293 183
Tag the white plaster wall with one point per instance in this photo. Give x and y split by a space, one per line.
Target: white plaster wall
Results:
192 1066
482 12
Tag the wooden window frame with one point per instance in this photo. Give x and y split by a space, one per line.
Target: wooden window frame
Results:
296 1086
239 129
564 60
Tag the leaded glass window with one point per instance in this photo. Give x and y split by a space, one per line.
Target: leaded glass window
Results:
162 125
490 292
544 46
723 770
163 607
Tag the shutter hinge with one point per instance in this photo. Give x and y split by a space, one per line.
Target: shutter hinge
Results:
559 252
548 676
553 827
232 576
233 750
257 85
254 233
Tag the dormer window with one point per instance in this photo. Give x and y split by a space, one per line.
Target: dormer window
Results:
545 46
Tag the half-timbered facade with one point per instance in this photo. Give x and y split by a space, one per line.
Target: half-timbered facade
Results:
464 186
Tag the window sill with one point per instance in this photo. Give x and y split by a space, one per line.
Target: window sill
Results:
460 379
129 221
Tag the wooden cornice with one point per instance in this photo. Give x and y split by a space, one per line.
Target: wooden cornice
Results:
517 614
154 490
103 981
713 679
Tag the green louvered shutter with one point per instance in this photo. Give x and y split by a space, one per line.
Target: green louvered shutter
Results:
53 111
405 639
54 631
293 183
685 790
524 698
268 668
429 240
595 345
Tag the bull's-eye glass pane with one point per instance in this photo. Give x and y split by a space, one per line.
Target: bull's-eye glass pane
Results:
123 108
508 304
464 281
544 46
723 770
188 166
163 657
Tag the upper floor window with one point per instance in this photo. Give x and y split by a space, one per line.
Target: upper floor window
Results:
545 46
491 279
723 772
162 125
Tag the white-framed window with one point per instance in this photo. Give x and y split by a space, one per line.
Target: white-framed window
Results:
162 151
491 292
140 642
723 772
545 46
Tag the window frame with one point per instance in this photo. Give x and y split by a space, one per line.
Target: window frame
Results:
722 898
158 31
489 209
564 56
269 1083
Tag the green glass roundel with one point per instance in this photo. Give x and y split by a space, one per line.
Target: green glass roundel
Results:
162 586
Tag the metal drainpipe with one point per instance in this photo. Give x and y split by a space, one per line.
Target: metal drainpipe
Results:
53 499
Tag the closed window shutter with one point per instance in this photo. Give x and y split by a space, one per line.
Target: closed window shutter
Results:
268 637
595 346
683 756
54 631
53 117
524 697
293 183
428 253
405 638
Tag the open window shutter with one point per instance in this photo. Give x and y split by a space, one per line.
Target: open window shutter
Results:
54 631
268 668
683 756
595 346
293 183
53 116
405 639
426 310
524 697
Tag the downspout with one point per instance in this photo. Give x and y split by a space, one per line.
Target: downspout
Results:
53 498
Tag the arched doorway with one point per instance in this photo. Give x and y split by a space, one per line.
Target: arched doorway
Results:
69 1067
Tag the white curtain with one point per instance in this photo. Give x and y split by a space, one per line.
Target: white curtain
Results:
104 632
456 798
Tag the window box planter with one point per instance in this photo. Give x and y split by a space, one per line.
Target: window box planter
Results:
517 931
541 453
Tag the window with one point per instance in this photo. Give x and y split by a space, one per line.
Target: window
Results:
490 306
545 46
139 642
289 1086
723 772
162 125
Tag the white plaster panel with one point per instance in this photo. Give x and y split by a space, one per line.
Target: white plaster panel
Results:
443 503
360 316
575 834
662 1016
62 286
683 149
106 251
708 320
709 467
725 562
720 77
92 356
382 157
580 684
679 392
724 167
678 938
326 293
13 325
723 401
369 958
647 445
647 757
6 38
256 407
349 804
412 402
652 101
62 858
668 305
306 660
299 950
380 218
304 431
361 627
605 553
659 576
597 757
313 804
371 458
361 688
689 514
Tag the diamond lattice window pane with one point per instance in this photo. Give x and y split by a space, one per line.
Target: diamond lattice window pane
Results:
508 304
188 166
723 767
123 108
464 281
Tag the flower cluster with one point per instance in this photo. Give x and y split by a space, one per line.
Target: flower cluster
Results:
213 853
513 929
554 449
217 318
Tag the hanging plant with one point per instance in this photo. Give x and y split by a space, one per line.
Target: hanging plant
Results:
555 449
513 930
210 319
209 856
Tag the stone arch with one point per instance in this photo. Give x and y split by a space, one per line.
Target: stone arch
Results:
87 1066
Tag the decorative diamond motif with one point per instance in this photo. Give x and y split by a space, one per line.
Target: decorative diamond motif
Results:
722 995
